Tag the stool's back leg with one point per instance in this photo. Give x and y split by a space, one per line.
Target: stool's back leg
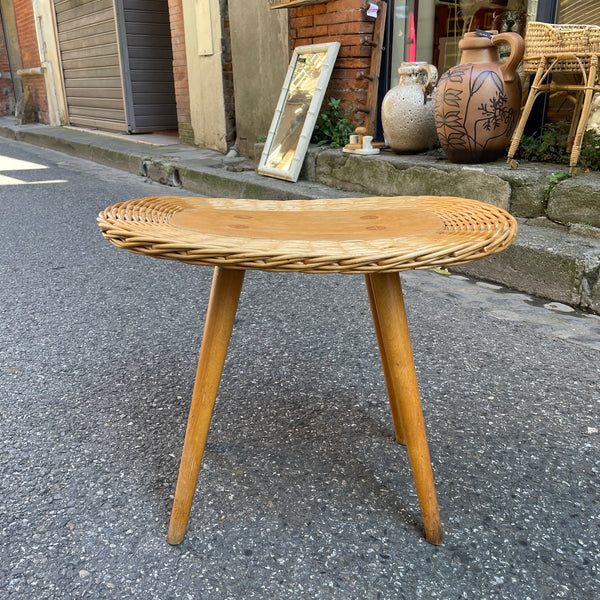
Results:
394 405
391 314
222 306
534 92
590 88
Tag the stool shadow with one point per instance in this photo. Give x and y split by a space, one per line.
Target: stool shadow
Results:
283 435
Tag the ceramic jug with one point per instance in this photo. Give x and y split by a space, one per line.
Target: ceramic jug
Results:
477 103
407 109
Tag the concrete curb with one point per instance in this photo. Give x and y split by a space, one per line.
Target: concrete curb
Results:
555 263
552 264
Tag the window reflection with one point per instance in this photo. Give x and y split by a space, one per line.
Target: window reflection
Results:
429 30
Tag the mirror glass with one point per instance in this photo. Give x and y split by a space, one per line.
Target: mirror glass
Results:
296 113
297 101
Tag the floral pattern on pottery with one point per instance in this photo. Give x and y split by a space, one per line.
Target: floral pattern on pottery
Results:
477 103
485 96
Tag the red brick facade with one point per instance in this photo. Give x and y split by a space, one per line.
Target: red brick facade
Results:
180 74
341 21
7 95
228 92
33 85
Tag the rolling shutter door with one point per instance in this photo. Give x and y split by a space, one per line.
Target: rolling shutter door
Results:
117 64
579 11
87 35
147 57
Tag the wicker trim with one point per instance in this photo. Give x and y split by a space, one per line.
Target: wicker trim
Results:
571 44
469 230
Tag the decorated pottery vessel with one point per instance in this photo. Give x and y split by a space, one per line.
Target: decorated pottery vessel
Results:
407 109
477 103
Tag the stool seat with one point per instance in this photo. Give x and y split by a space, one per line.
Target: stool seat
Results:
375 236
348 235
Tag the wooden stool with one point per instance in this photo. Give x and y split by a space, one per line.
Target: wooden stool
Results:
377 237
556 49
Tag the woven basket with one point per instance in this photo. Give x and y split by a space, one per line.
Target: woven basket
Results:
543 39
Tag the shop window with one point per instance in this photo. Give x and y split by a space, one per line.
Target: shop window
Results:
429 30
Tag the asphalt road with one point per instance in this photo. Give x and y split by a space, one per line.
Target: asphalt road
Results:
303 492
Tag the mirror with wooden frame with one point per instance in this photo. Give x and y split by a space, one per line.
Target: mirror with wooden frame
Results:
297 110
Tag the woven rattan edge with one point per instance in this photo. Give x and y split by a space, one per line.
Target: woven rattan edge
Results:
141 227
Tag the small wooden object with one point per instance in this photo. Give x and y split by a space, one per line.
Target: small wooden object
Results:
361 143
377 237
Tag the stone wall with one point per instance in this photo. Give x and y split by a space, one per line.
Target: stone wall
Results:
557 253
531 191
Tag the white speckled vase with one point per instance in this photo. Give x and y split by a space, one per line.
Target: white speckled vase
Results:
407 109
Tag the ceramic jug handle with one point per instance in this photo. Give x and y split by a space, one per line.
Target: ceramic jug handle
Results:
431 77
517 49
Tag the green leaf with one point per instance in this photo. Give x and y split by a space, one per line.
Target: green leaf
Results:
334 125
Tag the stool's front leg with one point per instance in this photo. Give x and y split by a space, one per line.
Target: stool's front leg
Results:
222 306
534 91
394 404
389 312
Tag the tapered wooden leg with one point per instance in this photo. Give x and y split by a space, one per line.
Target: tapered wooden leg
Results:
534 91
394 404
585 112
387 293
574 121
222 306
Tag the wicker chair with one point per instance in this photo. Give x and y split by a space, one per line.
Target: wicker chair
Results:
554 49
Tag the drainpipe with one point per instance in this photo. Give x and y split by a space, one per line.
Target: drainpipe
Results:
45 69
12 48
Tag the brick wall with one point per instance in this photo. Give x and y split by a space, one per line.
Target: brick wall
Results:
4 64
180 75
226 61
341 21
33 85
7 96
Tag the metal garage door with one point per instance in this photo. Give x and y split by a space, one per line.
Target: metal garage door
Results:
147 57
87 36
117 63
579 11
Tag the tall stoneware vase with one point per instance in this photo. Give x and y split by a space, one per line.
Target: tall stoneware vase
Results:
477 103
407 109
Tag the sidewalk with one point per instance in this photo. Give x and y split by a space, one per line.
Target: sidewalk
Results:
561 264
